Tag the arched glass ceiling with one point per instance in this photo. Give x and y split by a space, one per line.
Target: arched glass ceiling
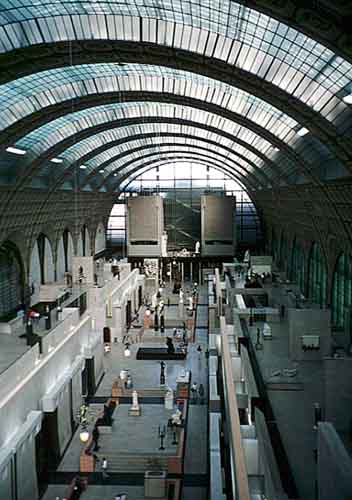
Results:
198 147
162 145
196 173
29 94
222 29
141 166
111 77
54 132
77 152
106 156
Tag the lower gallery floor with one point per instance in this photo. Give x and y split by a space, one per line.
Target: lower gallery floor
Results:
134 442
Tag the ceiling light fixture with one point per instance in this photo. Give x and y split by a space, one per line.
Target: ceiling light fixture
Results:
348 99
83 167
302 131
57 160
16 151
101 171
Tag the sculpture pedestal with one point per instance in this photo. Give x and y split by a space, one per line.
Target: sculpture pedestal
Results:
135 412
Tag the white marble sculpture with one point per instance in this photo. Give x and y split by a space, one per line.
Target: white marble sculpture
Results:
190 303
181 296
135 410
154 301
169 399
197 247
177 417
135 405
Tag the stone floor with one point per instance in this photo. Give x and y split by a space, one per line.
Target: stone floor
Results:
11 348
293 409
139 434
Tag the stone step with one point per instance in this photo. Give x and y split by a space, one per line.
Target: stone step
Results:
146 393
123 463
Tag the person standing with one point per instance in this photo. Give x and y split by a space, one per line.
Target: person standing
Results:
199 350
104 468
95 436
201 393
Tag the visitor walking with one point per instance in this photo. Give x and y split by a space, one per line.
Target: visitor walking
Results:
199 350
201 393
194 391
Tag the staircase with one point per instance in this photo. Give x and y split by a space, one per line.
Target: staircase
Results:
122 463
145 393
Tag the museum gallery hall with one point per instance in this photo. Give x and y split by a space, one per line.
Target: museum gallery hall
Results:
175 250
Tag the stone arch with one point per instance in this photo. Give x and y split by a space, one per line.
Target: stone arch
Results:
64 255
41 262
317 278
341 293
12 280
83 242
298 265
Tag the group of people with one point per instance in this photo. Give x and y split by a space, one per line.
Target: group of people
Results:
197 391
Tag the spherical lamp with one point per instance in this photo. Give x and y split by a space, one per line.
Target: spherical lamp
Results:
84 435
127 351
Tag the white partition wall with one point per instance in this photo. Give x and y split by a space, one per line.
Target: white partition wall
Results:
218 225
27 486
6 480
76 386
64 418
145 226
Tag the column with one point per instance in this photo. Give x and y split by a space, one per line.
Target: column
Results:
191 270
182 272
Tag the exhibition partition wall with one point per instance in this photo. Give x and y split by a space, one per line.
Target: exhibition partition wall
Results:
145 226
218 225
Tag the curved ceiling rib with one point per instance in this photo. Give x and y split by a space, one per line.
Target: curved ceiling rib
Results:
148 132
319 19
136 165
171 141
172 158
226 31
175 138
187 144
148 83
89 133
320 127
233 42
279 124
153 164
49 136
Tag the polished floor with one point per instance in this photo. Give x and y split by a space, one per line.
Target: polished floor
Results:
136 436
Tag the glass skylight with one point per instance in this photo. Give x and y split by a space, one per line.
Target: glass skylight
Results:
222 29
